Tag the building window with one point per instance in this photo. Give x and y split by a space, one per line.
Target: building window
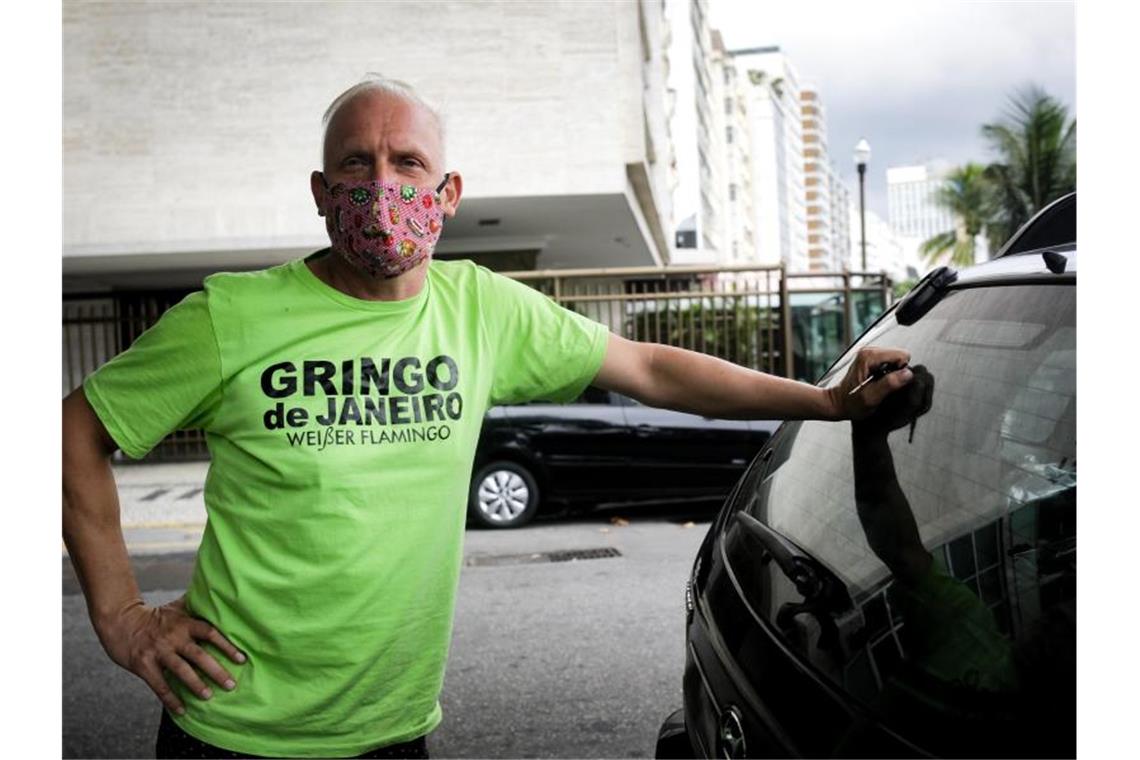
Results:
728 105
732 191
728 134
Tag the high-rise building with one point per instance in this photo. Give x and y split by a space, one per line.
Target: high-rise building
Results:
771 88
839 199
911 203
821 252
697 126
190 130
740 209
758 186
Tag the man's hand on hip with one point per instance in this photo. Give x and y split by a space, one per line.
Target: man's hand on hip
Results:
148 640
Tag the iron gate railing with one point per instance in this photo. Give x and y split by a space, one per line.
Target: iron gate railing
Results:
760 317
96 327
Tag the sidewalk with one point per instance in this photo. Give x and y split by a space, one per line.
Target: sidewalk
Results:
161 506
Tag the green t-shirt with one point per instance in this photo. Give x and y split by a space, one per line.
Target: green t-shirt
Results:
342 434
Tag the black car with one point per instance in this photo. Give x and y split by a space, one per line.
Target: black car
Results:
603 449
906 585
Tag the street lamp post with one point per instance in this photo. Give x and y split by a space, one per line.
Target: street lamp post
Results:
862 158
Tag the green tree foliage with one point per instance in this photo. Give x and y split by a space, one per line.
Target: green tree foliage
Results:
902 287
1036 144
730 328
966 195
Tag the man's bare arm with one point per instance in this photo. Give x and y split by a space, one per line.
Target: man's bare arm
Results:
144 640
673 378
91 527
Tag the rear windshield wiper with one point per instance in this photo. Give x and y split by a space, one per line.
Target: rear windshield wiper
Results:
797 566
825 596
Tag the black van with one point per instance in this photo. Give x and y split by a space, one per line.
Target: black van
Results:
906 585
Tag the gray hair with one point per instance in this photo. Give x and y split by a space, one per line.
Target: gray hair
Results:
373 82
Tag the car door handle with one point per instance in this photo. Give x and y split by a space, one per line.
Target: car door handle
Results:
644 431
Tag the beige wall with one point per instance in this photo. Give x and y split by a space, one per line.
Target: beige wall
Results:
193 126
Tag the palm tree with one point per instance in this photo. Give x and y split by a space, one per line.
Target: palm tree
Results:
965 194
1036 143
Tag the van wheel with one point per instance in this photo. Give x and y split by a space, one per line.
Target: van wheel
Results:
503 495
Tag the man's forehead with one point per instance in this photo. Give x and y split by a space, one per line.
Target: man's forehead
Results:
373 115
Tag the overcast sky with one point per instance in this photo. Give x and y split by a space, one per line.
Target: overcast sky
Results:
917 78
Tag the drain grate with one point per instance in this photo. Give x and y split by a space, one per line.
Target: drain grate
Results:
572 554
560 555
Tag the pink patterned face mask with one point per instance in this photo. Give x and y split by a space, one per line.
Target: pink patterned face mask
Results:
384 228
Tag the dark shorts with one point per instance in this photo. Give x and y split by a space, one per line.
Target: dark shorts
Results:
173 742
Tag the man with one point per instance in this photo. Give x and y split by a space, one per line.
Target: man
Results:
342 397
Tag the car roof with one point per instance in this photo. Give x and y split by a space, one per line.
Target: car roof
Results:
1043 250
1053 225
1031 266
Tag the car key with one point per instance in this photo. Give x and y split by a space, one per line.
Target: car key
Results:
881 370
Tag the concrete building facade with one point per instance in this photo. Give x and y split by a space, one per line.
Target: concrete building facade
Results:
911 206
822 253
773 103
740 189
697 127
190 130
763 190
839 199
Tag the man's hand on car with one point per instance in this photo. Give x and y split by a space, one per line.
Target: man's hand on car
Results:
149 640
900 409
847 405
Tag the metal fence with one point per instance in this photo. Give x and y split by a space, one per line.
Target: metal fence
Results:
96 327
760 317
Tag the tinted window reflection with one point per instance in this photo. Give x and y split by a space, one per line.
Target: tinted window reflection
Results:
594 395
959 558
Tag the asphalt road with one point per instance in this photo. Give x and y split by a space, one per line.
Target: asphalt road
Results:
549 659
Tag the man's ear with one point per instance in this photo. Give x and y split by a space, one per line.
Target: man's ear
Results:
451 193
317 185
